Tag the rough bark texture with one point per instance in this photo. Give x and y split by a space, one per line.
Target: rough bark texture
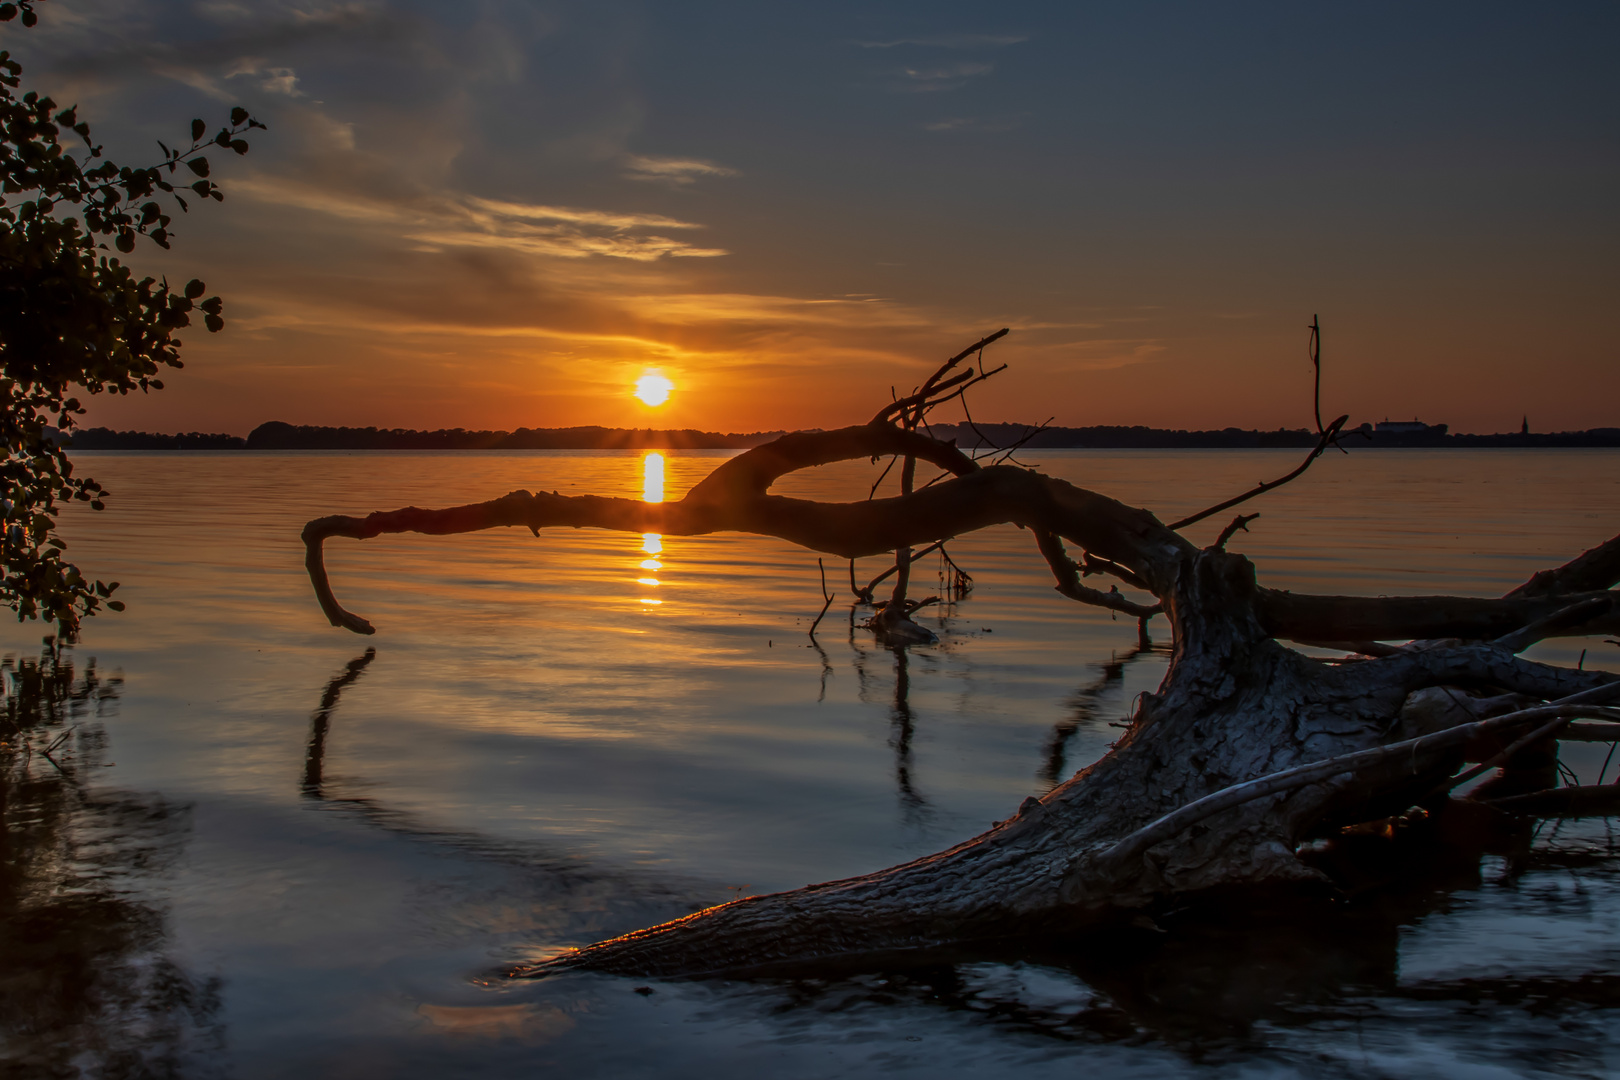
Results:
1236 705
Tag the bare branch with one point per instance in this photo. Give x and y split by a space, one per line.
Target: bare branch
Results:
1239 522
1576 614
1591 733
887 574
826 595
1598 568
933 384
735 498
1590 801
1263 486
1411 750
1305 618
1507 752
1068 581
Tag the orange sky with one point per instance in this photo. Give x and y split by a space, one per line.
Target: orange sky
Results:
504 220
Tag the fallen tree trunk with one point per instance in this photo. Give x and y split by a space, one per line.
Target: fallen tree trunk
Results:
1236 706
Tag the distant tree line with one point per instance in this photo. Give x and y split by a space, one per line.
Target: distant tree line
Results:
277 435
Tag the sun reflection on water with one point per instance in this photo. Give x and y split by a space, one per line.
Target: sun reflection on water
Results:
652 544
652 477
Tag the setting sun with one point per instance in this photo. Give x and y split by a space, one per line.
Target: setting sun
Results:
653 389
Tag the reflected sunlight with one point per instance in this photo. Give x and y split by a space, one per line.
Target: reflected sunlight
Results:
652 490
652 477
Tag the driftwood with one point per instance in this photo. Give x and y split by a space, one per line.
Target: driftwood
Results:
1249 748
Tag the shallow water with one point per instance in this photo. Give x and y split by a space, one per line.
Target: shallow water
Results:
270 853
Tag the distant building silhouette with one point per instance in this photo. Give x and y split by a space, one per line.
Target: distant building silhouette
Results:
1413 426
1524 425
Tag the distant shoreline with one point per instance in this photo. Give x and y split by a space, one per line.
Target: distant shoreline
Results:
281 436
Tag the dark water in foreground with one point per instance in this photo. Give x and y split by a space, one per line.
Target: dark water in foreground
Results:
256 849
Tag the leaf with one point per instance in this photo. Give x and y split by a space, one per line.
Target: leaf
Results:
198 166
238 115
214 323
8 12
197 129
201 187
239 145
125 241
116 605
29 18
195 288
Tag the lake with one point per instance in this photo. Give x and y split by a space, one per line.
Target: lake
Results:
260 849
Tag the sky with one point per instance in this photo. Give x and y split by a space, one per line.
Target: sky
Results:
502 214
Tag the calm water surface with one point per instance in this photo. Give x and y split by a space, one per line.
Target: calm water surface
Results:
269 852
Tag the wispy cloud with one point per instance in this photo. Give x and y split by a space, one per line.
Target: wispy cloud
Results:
272 79
676 171
950 41
441 220
943 77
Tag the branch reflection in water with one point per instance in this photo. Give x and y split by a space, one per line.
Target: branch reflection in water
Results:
320 721
1207 986
87 982
1084 707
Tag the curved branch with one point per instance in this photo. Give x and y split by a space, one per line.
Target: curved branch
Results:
1598 568
1564 619
1068 581
734 498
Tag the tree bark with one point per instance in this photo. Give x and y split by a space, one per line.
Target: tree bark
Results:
1236 705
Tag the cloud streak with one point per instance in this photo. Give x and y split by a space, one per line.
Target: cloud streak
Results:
675 171
943 77
453 220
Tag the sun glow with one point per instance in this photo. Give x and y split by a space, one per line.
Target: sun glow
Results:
653 389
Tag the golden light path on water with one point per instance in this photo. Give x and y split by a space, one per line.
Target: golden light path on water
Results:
652 490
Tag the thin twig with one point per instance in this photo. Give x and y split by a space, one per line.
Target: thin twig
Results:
1316 362
1263 487
1506 753
881 578
933 383
1025 438
824 593
881 476
1239 522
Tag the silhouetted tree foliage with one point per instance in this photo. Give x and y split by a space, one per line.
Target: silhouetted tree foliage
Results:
73 316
